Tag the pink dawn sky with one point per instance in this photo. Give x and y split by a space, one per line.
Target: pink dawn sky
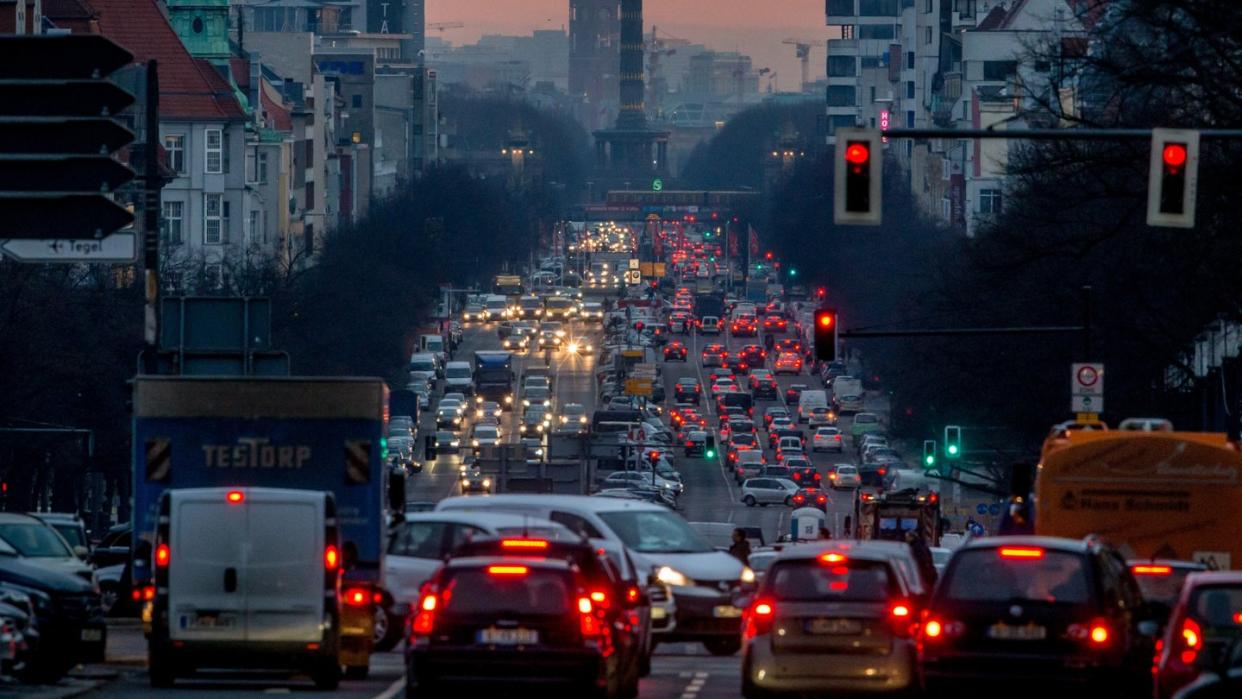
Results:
754 27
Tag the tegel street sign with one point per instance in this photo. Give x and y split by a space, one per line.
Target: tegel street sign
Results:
118 247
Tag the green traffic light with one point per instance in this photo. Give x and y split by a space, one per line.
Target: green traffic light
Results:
929 460
711 454
952 449
793 272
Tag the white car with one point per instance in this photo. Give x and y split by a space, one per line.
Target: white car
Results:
844 476
821 417
485 436
573 419
768 491
623 479
827 439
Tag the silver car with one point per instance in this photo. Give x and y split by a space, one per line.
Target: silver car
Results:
768 491
828 619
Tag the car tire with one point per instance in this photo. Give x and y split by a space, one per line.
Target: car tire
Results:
788 500
387 630
326 675
723 647
749 501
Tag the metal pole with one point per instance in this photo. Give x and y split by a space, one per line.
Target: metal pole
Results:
1054 134
1086 323
151 222
957 332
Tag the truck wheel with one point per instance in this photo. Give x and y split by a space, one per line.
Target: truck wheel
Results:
387 630
327 675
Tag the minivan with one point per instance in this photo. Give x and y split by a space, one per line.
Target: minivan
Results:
808 400
459 376
433 344
692 584
246 578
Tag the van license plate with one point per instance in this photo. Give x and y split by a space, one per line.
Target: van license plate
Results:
212 621
1005 632
726 611
509 637
92 635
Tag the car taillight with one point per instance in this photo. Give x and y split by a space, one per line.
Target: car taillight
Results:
901 618
822 499
759 618
356 597
331 558
524 544
1021 552
934 629
1191 639
424 620
163 555
1151 570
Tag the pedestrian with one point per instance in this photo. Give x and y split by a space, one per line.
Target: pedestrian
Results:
848 522
741 547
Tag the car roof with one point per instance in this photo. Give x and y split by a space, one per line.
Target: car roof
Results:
482 518
1213 577
19 518
577 502
532 562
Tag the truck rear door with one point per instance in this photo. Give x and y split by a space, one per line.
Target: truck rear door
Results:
207 536
284 571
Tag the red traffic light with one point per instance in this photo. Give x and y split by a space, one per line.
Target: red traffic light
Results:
768 255
825 320
857 153
1174 155
821 292
653 455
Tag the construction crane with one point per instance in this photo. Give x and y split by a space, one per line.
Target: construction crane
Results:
772 84
441 26
656 49
803 50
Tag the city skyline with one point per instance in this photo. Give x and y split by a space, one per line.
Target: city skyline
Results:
732 25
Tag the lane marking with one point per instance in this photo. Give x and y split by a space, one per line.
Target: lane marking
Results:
393 690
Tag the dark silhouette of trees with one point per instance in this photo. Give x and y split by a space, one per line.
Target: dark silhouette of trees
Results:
734 158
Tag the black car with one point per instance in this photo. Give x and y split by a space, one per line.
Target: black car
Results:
675 350
614 581
1039 611
687 391
794 393
512 621
69 618
765 388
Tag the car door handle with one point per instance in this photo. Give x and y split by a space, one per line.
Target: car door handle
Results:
230 580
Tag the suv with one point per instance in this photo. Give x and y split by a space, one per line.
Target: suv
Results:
1203 631
1018 606
827 619
511 621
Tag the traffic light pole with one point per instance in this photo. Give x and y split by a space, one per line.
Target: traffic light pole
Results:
958 332
151 223
1053 134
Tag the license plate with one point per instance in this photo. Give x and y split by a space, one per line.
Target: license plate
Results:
91 635
726 611
658 613
210 621
833 627
1005 632
508 637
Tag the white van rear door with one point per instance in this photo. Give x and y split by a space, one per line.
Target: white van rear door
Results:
284 576
207 601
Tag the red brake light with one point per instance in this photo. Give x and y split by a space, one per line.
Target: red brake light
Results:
1151 570
759 619
631 594
331 558
507 570
1192 635
1099 634
832 558
162 556
235 496
424 619
1021 552
524 544
933 629
900 610
356 597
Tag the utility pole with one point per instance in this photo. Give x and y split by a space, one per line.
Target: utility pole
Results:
151 223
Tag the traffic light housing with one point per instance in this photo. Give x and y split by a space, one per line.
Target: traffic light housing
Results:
826 322
857 178
1173 178
953 441
929 453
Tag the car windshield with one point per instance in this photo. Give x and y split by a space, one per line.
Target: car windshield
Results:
460 372
655 532
72 533
1018 574
34 540
485 432
817 580
536 393
519 589
865 419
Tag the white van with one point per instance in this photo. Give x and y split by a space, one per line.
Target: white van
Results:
847 386
246 578
810 400
459 377
433 344
495 307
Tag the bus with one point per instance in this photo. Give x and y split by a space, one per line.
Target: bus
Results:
509 285
1153 494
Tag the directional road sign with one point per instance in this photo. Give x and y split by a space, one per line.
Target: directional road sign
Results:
56 136
118 247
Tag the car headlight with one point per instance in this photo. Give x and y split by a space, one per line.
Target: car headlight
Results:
455 443
672 576
539 427
41 601
564 419
526 403
509 400
487 483
748 575
582 419
474 442
573 347
521 428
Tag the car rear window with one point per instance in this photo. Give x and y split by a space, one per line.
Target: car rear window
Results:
1161 586
817 580
506 587
1018 573
1218 606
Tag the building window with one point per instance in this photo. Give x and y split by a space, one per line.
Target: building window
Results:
909 89
910 119
845 30
356 101
878 8
262 172
172 232
174 151
965 8
841 96
842 66
215 152
909 60
213 213
213 276
228 152
927 6
999 70
842 121
989 201
252 165
871 62
927 35
252 226
225 220
876 31
840 8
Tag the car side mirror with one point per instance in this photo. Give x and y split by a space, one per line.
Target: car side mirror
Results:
81 552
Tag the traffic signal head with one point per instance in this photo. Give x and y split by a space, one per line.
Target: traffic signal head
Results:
821 293
929 453
953 441
1172 178
857 185
826 334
